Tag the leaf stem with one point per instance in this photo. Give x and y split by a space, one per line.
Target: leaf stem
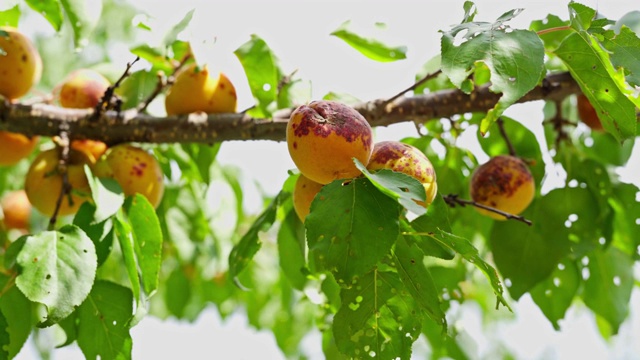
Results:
553 29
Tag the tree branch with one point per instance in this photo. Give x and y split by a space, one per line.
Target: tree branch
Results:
114 127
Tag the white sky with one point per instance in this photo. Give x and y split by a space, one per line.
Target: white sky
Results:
298 32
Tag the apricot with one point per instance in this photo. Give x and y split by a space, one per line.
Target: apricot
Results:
43 183
20 64
504 183
323 138
304 192
15 147
407 159
94 148
588 113
136 170
16 209
196 90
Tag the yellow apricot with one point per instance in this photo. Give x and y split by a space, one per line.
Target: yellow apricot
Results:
407 159
324 136
20 64
504 183
82 88
136 170
196 90
304 192
16 209
43 183
15 147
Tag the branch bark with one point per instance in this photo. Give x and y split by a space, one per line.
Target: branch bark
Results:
131 125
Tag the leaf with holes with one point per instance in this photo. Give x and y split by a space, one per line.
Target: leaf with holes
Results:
57 269
607 291
605 87
352 225
377 318
103 322
514 57
625 53
369 47
555 294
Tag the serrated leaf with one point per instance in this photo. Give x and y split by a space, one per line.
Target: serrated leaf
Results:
100 233
50 9
555 294
17 310
147 236
243 252
423 227
352 225
103 329
172 35
436 218
260 66
604 87
83 18
581 16
57 270
515 58
377 318
291 250
398 186
417 280
607 291
625 53
124 234
370 47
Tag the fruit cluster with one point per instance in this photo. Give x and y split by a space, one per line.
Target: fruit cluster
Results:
133 168
324 136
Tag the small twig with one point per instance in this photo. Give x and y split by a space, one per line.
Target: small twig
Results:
453 200
559 122
414 86
163 82
106 100
512 150
285 80
65 189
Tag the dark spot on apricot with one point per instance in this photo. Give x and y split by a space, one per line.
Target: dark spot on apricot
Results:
295 144
324 118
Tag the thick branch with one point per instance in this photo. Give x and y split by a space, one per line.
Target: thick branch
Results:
132 126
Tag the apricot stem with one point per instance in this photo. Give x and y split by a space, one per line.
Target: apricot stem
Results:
163 83
512 150
65 189
452 200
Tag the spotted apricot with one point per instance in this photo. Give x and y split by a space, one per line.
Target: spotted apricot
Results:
20 64
196 89
304 192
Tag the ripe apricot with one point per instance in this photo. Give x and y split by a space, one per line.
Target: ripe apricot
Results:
407 159
14 147
16 209
136 170
504 183
304 192
195 89
324 136
588 113
43 183
20 64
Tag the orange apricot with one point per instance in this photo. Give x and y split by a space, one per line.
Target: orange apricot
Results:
16 209
304 192
20 64
15 147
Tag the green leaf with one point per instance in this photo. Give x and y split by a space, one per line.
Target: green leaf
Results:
626 225
604 87
606 149
377 319
5 339
17 311
172 35
83 18
103 328
178 292
369 47
291 250
352 225
515 58
57 270
203 156
260 66
50 9
581 16
136 88
106 194
555 294
10 17
155 56
147 236
244 251
124 233
607 290
417 280
100 233
398 186
462 246
630 20
553 38
625 53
